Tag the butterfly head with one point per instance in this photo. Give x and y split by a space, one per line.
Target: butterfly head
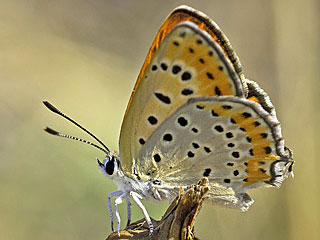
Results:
110 165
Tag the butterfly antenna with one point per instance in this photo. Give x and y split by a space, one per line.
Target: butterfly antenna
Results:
49 130
54 132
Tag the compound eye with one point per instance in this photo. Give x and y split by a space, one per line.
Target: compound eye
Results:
110 166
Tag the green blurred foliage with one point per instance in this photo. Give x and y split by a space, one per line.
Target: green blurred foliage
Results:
84 57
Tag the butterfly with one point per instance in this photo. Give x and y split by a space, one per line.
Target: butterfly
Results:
193 114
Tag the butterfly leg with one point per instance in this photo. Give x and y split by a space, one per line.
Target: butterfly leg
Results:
113 194
128 211
118 201
136 197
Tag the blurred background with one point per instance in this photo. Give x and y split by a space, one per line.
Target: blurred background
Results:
84 57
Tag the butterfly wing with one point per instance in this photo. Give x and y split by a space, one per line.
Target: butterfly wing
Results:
232 141
187 64
183 14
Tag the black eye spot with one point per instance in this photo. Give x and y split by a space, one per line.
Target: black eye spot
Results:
182 121
227 180
163 98
186 76
256 123
214 114
233 121
262 162
235 154
152 120
242 129
199 41
246 115
110 167
226 107
236 172
190 154
268 150
157 157
264 135
210 76
245 163
218 128
176 69
220 68
230 145
194 130
187 92
154 68
230 164
229 135
176 43
208 150
142 141
167 137
249 139
207 172
200 107
191 50
201 60
217 91
164 66
195 145
210 53
245 179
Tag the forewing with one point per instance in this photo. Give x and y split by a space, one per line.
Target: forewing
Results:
187 14
186 65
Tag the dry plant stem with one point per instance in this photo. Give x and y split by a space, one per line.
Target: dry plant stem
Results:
177 222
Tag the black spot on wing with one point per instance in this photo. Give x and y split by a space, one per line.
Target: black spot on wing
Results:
207 172
157 157
152 120
167 137
187 92
164 66
182 121
186 76
176 69
163 98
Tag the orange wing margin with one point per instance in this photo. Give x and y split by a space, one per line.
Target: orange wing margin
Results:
182 14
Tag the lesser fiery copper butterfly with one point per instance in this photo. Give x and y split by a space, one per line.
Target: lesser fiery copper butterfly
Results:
194 114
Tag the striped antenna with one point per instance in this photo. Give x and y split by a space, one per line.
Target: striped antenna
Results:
54 132
51 131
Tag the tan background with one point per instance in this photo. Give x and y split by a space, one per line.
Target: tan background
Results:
84 56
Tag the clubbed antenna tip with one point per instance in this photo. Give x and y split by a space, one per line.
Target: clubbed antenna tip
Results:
51 107
51 131
57 111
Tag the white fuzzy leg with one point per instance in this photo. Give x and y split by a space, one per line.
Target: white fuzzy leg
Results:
128 211
136 197
113 194
118 201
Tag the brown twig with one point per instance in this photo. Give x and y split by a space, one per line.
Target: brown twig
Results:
176 223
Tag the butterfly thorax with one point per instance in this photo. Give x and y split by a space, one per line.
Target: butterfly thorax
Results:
146 187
